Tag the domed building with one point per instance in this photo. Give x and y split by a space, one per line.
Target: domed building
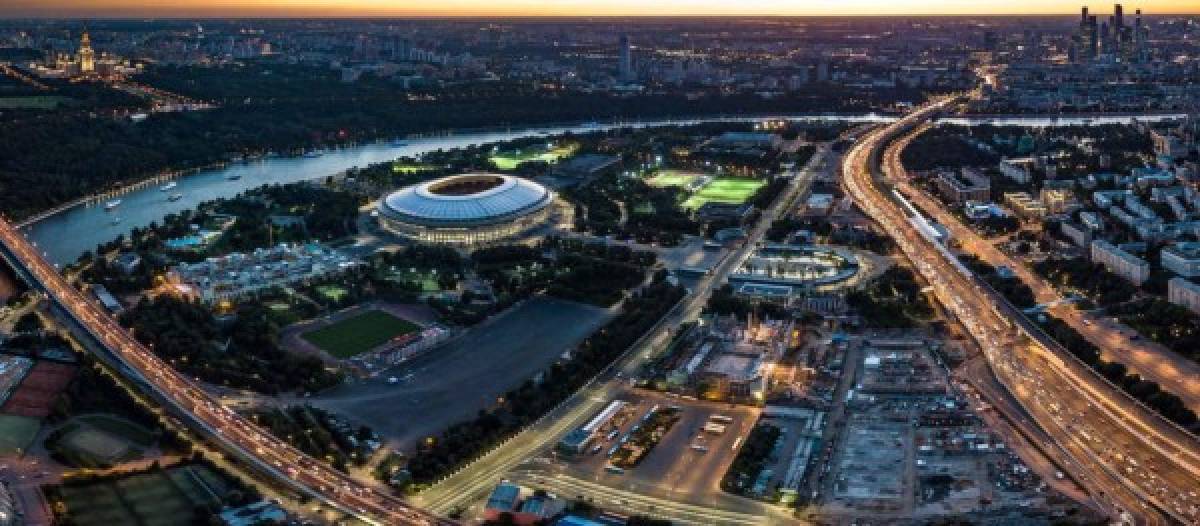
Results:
467 209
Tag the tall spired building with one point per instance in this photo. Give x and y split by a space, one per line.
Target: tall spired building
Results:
84 63
87 57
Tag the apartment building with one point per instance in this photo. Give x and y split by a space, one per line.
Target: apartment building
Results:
1182 258
1134 269
1184 293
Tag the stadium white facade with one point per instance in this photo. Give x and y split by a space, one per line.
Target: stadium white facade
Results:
468 209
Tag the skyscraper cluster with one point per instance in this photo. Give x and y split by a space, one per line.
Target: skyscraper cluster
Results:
1113 38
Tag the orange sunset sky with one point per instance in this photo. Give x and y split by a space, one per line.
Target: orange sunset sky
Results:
218 8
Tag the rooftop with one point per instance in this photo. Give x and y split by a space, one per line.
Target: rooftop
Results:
1184 250
466 200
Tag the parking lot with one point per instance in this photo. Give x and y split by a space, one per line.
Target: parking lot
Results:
687 464
451 383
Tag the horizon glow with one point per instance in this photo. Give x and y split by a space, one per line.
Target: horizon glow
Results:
565 8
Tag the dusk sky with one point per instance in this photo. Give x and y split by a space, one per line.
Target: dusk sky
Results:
218 8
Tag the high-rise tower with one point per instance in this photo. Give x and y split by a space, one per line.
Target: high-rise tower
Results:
87 57
625 61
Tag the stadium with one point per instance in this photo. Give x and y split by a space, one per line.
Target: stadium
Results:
468 209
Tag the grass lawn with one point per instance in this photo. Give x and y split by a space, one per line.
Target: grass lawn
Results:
91 448
360 333
99 441
156 498
511 160
424 279
733 190
162 497
644 209
129 431
665 178
331 292
36 102
98 504
410 168
17 432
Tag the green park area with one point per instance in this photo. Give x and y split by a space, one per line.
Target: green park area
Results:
359 333
16 433
172 496
672 178
510 160
731 190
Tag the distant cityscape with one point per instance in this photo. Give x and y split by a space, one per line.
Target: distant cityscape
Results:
601 271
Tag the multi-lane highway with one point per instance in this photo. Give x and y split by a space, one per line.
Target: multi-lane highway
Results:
640 502
1176 374
1132 460
203 413
458 490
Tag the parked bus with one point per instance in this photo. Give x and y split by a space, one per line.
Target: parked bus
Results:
721 419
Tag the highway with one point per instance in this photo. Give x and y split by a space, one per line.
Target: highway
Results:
1175 373
472 482
202 412
639 503
1137 465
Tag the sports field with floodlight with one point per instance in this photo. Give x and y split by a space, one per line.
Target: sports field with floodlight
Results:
732 190
510 160
358 334
412 168
675 178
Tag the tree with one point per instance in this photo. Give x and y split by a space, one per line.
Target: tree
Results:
28 322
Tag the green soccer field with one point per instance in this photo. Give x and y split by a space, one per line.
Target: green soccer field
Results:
733 190
423 278
166 498
666 178
511 160
358 334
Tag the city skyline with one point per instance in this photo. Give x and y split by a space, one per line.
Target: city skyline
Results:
565 8
592 263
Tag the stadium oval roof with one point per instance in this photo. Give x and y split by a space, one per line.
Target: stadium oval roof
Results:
461 201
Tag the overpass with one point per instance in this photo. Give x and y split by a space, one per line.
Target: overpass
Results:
180 397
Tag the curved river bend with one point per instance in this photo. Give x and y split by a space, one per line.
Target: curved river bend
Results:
66 235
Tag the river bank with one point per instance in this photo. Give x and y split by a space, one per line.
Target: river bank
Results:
67 231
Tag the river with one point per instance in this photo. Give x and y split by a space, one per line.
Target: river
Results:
66 235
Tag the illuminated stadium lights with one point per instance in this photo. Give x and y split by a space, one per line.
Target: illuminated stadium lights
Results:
467 209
